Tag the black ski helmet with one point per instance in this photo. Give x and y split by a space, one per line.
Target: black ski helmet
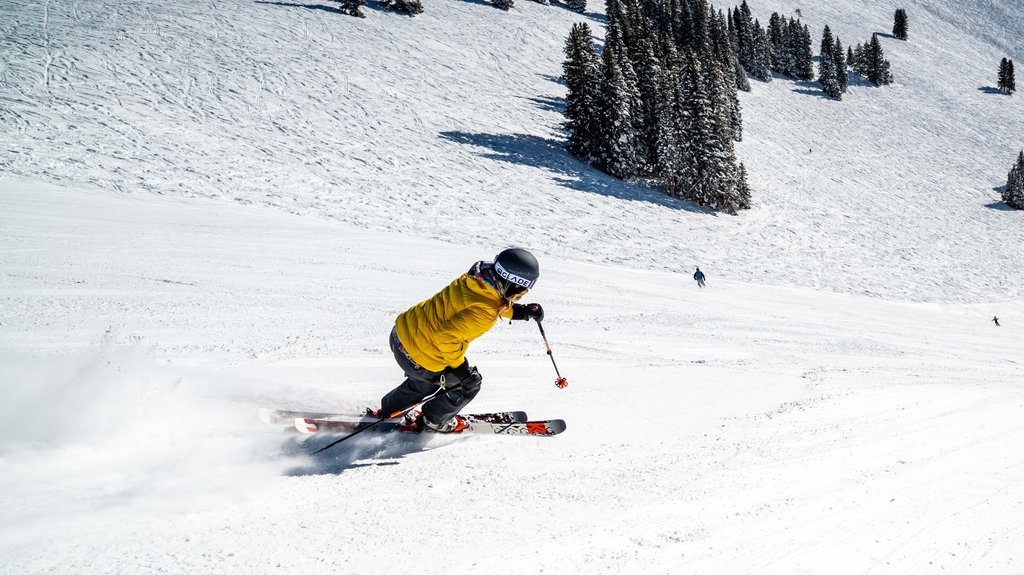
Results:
517 267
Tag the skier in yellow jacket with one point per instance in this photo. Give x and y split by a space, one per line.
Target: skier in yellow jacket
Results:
430 339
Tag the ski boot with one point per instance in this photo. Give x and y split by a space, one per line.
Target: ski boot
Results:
453 425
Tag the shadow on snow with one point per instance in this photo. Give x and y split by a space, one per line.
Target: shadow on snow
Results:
595 16
552 78
332 9
365 451
481 2
989 90
551 155
1000 205
550 103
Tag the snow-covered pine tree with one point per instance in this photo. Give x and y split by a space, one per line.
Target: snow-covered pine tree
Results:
723 153
503 4
849 56
732 100
639 66
410 7
634 154
776 38
804 54
581 73
647 66
708 175
1007 83
877 66
899 26
762 69
1013 195
702 18
617 154
670 135
742 189
645 128
577 5
352 8
728 63
723 48
840 59
694 183
734 16
827 73
792 42
745 36
681 23
859 60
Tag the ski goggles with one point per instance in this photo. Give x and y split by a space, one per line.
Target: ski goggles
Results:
515 292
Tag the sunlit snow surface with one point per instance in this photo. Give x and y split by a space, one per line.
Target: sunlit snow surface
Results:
446 126
206 208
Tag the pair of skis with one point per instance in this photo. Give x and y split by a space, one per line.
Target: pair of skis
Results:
501 423
498 423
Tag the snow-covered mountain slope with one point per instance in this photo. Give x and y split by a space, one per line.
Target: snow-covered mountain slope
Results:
208 207
449 121
739 428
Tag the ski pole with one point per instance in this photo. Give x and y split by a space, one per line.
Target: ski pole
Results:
561 382
374 424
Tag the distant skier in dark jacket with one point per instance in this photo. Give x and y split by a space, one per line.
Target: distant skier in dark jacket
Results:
996 319
699 276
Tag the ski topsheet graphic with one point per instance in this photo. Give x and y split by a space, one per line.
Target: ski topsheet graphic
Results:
495 423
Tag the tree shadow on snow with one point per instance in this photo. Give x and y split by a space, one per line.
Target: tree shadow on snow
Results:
332 9
806 88
551 104
377 449
989 90
551 155
812 92
322 7
857 80
886 35
1001 206
552 78
595 16
481 2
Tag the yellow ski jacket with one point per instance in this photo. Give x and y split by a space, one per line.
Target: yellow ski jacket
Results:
436 332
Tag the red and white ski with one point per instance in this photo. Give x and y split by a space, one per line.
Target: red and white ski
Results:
475 426
286 417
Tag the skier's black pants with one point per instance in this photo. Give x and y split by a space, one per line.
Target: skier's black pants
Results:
420 383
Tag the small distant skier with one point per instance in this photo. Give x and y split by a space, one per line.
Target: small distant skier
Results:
996 319
429 339
699 276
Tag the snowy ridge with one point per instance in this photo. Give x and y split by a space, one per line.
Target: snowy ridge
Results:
396 123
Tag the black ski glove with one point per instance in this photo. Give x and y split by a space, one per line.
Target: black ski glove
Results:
529 311
461 372
463 375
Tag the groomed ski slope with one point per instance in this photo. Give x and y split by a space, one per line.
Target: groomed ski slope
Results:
208 208
739 428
